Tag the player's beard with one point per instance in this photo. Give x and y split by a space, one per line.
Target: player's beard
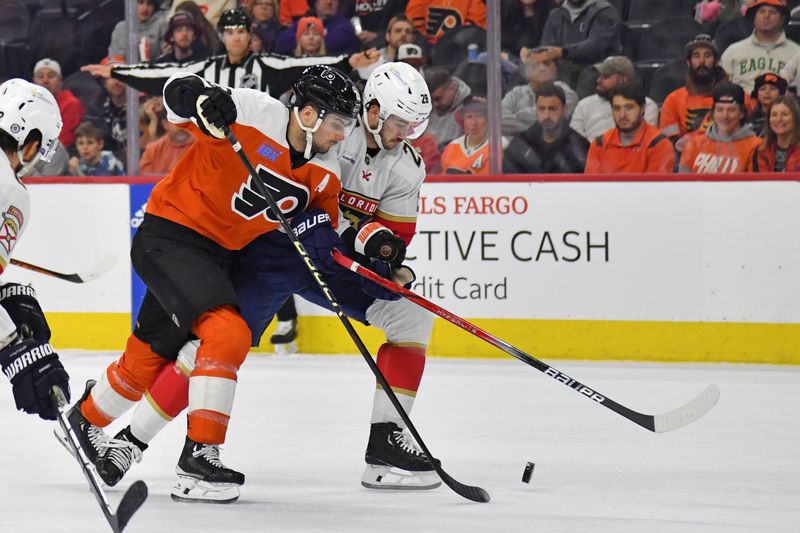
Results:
702 75
633 127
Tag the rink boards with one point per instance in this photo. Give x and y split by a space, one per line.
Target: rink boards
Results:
648 270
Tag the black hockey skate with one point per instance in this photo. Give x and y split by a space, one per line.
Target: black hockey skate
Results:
93 439
395 462
203 478
285 337
120 454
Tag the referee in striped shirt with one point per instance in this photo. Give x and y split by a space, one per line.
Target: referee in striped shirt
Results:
237 68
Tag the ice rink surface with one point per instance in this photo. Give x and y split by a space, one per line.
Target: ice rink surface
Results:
300 426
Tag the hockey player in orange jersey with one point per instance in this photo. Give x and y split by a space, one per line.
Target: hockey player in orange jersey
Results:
205 209
727 146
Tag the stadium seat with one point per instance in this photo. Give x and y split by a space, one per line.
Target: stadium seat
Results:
731 32
94 26
793 30
667 38
643 11
666 79
451 48
646 70
474 75
587 82
53 35
15 59
89 91
14 18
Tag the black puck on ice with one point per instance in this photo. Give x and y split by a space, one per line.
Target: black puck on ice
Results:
526 475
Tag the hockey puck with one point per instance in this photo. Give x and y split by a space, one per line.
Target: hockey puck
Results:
526 475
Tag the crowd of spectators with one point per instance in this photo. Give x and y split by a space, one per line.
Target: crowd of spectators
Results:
582 88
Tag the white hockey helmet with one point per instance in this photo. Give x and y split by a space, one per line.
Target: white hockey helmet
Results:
401 91
26 107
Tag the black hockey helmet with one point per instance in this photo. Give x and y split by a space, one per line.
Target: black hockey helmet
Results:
328 89
234 18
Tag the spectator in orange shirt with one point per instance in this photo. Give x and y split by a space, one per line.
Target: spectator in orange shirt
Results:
780 147
632 145
727 146
686 109
161 155
469 154
434 18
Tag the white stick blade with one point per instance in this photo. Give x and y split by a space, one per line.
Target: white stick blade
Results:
688 413
102 266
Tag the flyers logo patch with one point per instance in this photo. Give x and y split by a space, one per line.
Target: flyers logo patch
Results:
291 197
442 19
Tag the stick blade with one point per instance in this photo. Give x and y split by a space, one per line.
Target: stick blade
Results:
689 412
131 501
475 494
102 266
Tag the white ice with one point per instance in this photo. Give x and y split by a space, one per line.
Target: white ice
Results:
300 425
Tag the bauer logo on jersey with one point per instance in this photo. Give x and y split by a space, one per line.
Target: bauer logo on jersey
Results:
10 228
291 197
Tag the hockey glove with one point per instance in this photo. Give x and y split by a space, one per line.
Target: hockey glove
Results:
215 111
20 303
378 242
315 231
402 275
33 368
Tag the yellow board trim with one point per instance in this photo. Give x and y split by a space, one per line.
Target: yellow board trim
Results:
730 342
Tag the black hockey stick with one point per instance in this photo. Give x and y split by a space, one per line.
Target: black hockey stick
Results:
476 494
133 498
685 414
100 268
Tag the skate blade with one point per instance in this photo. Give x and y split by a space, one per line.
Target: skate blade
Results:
191 490
392 478
288 348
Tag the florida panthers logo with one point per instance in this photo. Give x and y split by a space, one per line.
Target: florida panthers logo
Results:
291 197
10 227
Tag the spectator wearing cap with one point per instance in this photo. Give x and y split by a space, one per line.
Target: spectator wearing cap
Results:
469 154
686 109
434 18
447 94
768 87
310 38
208 37
398 32
728 145
518 108
780 146
766 50
212 9
577 34
592 116
550 146
181 38
151 25
340 38
632 145
47 73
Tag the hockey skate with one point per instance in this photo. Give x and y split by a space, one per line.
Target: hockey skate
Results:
120 454
203 478
395 462
93 440
285 337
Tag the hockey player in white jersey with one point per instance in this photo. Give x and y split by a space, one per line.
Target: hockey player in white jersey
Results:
381 178
30 124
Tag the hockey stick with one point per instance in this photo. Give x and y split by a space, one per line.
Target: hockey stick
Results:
97 270
685 414
133 498
476 494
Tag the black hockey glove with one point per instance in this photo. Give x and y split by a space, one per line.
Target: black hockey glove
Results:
215 111
316 233
378 242
33 368
20 303
402 276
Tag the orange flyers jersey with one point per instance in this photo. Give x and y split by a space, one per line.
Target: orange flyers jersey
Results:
458 159
210 191
704 155
433 18
684 113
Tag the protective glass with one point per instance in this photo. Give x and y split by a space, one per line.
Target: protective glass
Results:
338 124
402 127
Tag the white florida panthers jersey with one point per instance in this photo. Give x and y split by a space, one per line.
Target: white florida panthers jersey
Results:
384 187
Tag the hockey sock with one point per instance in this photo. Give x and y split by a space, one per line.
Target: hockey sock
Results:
122 384
403 367
224 343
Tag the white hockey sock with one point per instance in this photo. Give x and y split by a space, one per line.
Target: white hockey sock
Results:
148 420
384 411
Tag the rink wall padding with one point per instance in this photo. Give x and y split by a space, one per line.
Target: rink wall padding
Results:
655 267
